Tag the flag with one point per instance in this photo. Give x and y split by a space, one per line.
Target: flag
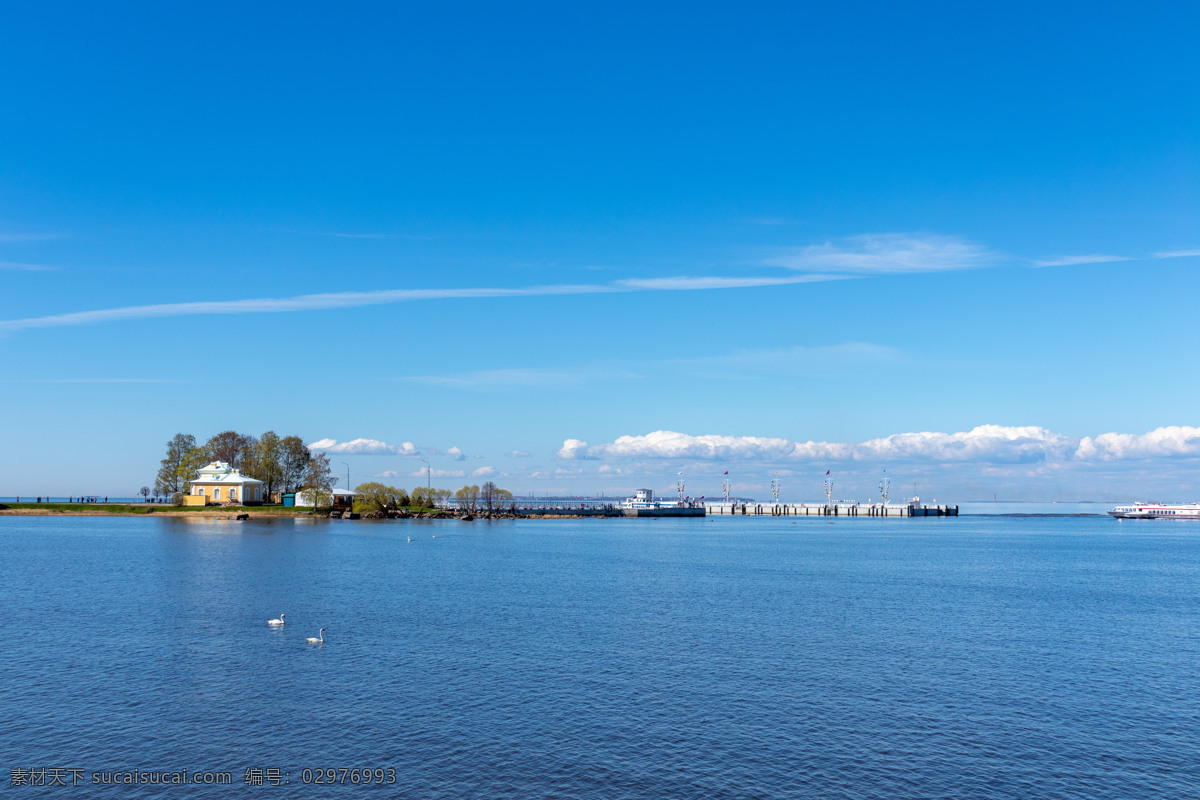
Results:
726 472
826 472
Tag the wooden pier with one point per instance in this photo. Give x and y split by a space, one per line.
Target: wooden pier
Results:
830 510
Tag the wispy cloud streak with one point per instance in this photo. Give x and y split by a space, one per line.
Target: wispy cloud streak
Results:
340 300
735 366
889 253
684 283
1070 261
308 302
12 265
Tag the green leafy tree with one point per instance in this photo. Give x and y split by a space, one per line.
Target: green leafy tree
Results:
467 499
193 461
293 462
424 497
174 471
268 462
375 496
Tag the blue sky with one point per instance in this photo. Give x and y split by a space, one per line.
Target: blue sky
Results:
585 247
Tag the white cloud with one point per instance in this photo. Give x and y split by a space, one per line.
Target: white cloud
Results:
1067 261
669 444
686 283
573 448
984 443
391 473
456 454
308 302
342 300
483 472
871 254
438 473
519 454
362 447
1173 441
1178 254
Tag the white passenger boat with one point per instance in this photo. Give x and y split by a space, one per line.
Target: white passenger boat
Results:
644 499
1157 511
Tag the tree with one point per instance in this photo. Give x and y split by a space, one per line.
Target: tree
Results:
424 497
248 458
487 497
318 479
374 496
439 496
193 461
230 447
176 467
144 492
467 499
493 498
293 462
268 462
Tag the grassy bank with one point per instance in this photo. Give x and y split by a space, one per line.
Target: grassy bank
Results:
146 509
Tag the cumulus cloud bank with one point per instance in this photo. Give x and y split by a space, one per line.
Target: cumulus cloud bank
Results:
1160 442
363 447
985 443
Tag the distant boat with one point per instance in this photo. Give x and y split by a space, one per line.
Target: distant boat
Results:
1156 511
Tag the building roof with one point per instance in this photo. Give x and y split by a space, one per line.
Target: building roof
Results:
222 473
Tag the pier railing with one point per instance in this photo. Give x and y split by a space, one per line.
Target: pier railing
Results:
831 510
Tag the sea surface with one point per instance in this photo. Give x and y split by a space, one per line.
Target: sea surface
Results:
971 657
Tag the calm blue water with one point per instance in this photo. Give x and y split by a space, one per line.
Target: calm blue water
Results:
978 657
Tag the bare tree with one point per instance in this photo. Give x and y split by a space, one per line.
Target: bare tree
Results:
144 492
318 479
487 497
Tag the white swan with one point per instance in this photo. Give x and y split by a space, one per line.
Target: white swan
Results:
315 640
276 621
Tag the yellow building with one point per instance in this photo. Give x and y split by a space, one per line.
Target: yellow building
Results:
220 483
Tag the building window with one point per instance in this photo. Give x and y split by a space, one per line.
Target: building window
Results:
216 494
232 494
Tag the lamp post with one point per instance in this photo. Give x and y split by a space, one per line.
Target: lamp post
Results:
428 475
